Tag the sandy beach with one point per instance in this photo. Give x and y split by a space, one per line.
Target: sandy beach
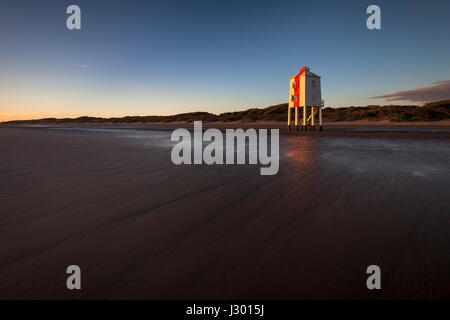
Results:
109 199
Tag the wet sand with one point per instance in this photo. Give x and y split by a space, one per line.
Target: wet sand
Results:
112 202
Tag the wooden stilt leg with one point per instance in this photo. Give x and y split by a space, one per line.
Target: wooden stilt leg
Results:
289 119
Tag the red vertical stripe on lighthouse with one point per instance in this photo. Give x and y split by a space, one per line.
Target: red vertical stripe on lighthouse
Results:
297 87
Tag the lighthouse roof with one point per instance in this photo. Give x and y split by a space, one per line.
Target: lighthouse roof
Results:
308 73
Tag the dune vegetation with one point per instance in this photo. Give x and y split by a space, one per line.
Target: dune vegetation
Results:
432 111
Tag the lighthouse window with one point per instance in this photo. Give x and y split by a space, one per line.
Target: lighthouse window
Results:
294 98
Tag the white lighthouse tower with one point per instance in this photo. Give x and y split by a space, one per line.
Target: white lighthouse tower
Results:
305 92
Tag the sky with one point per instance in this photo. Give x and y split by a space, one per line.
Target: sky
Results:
165 57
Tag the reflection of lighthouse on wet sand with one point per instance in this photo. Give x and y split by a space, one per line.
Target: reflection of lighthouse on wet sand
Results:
305 92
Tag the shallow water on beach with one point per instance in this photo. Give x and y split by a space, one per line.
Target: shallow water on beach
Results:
111 201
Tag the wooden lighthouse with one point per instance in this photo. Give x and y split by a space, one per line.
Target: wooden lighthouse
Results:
305 92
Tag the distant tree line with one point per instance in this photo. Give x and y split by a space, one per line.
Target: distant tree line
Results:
432 111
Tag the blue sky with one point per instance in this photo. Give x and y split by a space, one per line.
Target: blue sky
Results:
165 57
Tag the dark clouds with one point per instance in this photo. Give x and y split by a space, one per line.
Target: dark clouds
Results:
438 91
